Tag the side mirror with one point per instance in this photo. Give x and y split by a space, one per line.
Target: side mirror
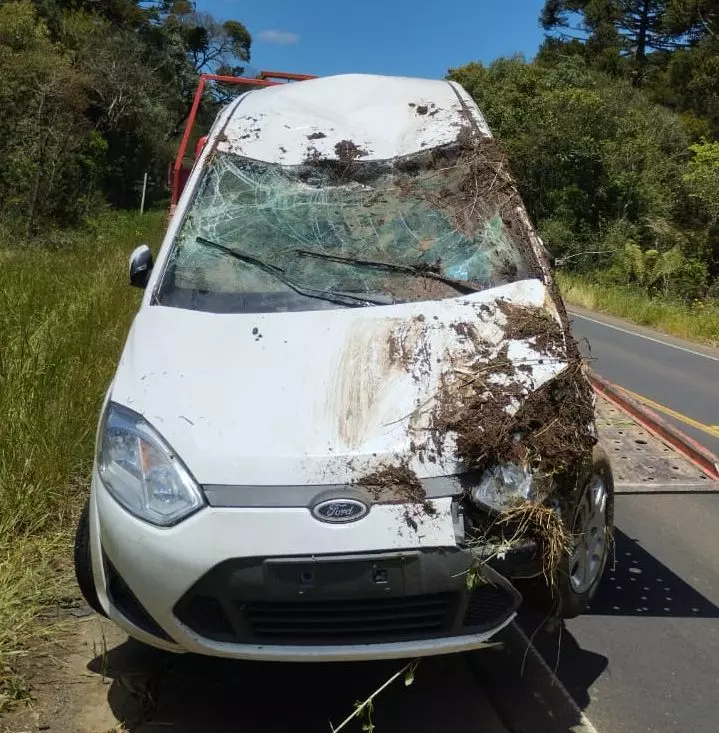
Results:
140 266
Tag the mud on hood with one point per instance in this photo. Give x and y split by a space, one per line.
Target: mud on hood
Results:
324 397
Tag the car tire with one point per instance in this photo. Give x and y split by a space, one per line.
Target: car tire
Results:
83 562
592 525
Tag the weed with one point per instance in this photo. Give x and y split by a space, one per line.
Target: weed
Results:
14 689
64 314
694 323
364 709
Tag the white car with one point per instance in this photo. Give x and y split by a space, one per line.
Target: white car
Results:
287 461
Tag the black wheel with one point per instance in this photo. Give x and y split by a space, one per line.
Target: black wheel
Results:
592 527
83 562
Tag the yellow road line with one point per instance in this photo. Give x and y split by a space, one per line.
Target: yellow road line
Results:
712 430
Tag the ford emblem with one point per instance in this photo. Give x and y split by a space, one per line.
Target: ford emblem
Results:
338 511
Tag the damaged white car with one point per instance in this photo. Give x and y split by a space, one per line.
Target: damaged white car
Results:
349 419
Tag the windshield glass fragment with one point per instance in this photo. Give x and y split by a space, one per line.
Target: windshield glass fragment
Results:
436 227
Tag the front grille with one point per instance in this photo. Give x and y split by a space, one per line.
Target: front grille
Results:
348 621
320 622
488 606
372 598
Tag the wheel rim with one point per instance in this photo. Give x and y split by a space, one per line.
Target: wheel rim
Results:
590 544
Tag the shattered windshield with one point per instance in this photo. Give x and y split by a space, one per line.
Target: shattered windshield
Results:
262 237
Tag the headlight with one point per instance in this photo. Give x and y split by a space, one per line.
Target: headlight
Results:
502 486
142 472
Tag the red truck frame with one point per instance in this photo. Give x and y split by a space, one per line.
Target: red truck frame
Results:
263 79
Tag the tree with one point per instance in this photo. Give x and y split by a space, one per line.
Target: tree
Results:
669 47
42 125
599 166
617 29
93 94
695 19
587 148
209 44
191 43
702 178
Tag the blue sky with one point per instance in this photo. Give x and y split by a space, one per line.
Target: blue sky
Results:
404 37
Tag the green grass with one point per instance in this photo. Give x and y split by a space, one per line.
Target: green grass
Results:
64 315
698 322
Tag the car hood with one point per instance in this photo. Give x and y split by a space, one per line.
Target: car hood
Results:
320 397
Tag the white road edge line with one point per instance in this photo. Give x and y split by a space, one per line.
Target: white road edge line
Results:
642 336
587 725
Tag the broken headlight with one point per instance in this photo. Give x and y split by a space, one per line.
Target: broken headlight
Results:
142 472
502 486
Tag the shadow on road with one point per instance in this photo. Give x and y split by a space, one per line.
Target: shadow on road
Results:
153 692
637 584
521 681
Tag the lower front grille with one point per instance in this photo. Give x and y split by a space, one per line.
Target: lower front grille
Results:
205 615
488 606
367 599
348 621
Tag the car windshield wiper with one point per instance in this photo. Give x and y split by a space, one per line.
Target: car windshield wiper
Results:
430 272
351 301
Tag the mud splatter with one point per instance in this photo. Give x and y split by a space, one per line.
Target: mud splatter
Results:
371 361
348 152
533 323
398 485
313 156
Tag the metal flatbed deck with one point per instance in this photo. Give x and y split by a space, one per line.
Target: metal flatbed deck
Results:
642 463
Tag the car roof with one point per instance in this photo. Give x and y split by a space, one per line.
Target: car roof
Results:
372 117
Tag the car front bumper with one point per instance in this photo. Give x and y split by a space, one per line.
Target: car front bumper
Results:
276 584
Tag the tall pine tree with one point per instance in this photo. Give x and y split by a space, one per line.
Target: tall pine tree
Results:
620 35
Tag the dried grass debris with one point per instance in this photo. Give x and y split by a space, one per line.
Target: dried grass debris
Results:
542 524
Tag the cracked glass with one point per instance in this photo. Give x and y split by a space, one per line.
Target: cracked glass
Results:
283 222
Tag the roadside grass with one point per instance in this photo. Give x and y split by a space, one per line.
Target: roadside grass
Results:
698 322
64 314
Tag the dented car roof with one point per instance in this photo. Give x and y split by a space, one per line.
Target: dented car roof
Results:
377 117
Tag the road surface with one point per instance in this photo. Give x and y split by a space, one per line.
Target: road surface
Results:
679 378
646 658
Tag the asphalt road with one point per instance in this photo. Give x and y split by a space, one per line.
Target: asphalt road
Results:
646 657
675 374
